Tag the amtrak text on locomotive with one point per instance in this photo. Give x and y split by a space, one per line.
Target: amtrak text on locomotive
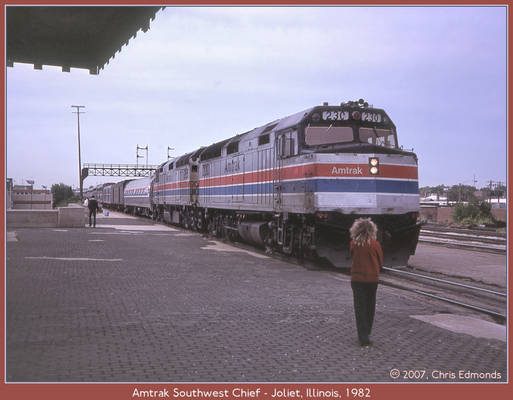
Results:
346 171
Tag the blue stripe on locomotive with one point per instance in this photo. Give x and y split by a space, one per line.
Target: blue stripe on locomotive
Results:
367 186
313 185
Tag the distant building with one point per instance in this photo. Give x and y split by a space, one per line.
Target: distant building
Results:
497 203
436 214
8 194
25 197
434 199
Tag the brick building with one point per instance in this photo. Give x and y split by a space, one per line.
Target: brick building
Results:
25 197
444 214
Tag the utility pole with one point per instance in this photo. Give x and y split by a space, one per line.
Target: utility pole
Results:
79 159
31 183
498 186
138 156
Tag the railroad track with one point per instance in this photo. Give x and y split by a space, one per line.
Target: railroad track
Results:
480 298
464 238
475 296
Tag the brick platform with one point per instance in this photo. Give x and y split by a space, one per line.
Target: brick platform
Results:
170 305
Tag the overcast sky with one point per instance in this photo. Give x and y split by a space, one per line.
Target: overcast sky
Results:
203 74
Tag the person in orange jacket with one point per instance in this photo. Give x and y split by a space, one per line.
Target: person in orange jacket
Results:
367 260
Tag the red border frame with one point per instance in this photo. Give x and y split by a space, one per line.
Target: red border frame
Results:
113 391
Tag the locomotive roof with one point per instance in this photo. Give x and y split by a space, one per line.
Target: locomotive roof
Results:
214 150
279 124
161 165
184 160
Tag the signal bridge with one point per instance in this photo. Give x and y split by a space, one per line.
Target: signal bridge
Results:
118 170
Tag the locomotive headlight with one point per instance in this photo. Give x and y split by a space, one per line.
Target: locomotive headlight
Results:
374 165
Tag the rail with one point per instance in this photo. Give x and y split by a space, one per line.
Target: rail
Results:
497 315
467 239
465 305
445 281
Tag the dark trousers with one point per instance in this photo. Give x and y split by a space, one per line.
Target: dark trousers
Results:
92 213
364 295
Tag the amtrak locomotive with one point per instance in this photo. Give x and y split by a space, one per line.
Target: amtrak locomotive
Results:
294 185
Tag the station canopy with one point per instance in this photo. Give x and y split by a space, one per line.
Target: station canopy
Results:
84 37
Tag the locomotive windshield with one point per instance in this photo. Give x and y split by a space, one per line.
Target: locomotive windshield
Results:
316 135
332 126
379 137
320 135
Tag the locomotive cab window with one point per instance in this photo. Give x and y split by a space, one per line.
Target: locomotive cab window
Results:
287 144
184 174
206 169
378 137
319 135
263 139
232 148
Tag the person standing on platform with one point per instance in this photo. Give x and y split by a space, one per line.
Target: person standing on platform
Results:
93 207
367 260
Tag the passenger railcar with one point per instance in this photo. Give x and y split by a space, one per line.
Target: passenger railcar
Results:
137 196
107 195
96 191
295 185
118 190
